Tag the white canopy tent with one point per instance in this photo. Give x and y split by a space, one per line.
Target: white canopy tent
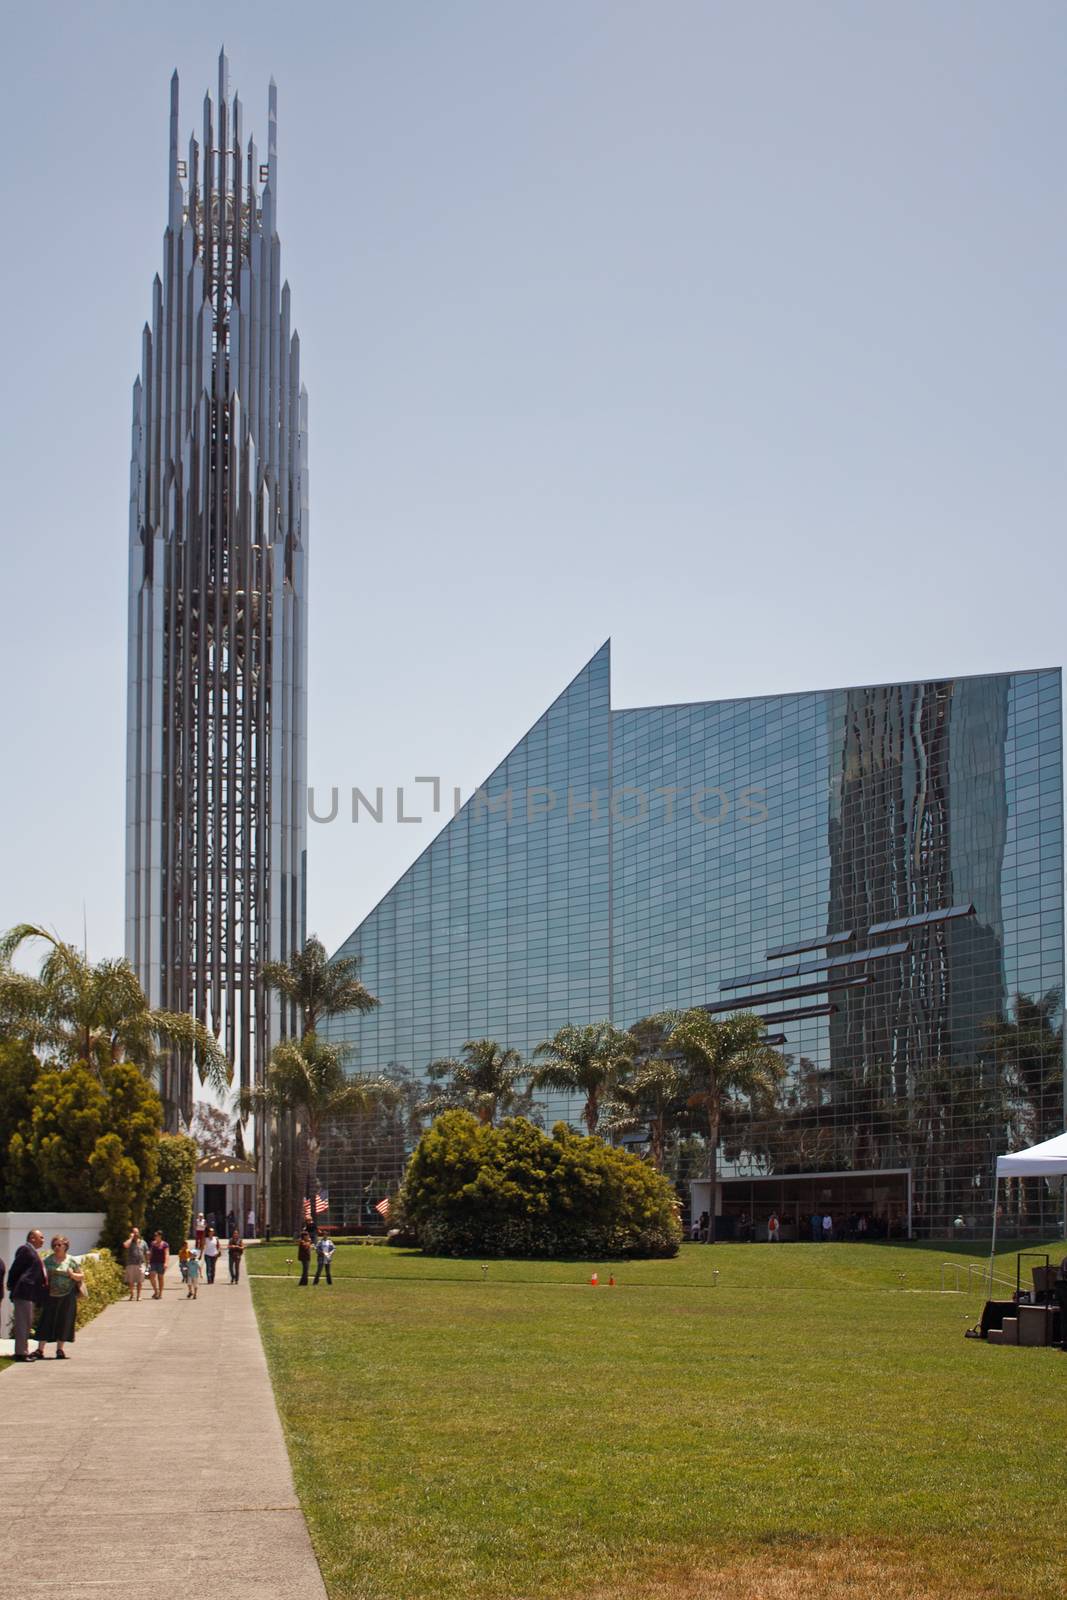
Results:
1046 1160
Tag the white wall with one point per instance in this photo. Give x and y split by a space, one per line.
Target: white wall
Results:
82 1228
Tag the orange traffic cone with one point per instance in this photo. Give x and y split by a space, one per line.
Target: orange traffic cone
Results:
611 1281
594 1280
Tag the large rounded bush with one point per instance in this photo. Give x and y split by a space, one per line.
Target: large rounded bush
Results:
472 1189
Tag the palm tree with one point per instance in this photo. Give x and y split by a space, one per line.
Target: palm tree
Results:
316 986
96 1012
654 1097
484 1081
585 1061
723 1057
306 1079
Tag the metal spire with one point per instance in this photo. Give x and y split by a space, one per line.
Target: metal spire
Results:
216 764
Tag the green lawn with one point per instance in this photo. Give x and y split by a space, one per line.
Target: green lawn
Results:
815 1425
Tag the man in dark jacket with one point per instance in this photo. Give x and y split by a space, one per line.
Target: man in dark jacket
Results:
27 1284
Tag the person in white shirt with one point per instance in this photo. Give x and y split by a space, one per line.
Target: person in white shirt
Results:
827 1228
774 1234
324 1249
250 1224
211 1254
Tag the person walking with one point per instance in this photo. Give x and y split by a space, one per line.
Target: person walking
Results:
231 1222
184 1257
250 1223
324 1249
234 1251
774 1232
27 1284
193 1269
136 1251
158 1256
199 1230
56 1322
303 1255
211 1253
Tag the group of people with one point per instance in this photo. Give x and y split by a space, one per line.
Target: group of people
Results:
200 1259
44 1293
821 1226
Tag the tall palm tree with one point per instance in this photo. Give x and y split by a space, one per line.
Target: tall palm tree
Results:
484 1081
306 1078
96 1012
316 986
724 1057
655 1096
584 1061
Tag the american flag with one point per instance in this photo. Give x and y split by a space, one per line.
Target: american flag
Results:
322 1202
383 1207
307 1209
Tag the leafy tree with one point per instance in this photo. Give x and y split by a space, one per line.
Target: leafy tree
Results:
89 1137
170 1204
18 1073
654 1097
96 1012
1031 1045
485 1081
317 987
473 1188
306 1079
212 1130
724 1057
587 1060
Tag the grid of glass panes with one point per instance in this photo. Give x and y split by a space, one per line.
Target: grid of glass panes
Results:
740 827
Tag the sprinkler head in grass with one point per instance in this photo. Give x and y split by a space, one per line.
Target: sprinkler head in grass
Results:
485 1269
715 1278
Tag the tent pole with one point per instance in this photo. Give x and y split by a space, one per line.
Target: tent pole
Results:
993 1241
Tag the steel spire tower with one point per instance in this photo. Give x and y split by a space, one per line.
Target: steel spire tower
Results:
216 720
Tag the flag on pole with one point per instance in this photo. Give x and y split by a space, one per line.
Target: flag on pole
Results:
383 1208
307 1209
322 1202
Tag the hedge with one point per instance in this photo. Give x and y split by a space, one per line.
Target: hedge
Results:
105 1281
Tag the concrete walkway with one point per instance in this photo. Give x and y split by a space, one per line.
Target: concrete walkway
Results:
152 1463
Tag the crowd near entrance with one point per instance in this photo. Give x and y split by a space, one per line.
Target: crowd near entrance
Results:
860 1206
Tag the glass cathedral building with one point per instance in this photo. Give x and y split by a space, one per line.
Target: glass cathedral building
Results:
876 871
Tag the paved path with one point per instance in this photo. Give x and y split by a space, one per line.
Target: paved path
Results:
152 1463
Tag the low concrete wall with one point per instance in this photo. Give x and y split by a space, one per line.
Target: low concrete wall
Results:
82 1228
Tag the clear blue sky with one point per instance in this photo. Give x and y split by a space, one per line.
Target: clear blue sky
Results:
736 332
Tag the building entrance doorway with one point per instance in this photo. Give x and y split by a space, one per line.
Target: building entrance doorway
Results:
215 1206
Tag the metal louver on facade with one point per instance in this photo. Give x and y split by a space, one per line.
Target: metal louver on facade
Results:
216 729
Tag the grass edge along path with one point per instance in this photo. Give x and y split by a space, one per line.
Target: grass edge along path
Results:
814 1426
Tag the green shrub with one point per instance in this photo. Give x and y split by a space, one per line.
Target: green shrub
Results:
170 1205
472 1189
105 1282
87 1140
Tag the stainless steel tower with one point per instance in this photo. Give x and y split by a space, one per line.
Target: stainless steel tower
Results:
216 731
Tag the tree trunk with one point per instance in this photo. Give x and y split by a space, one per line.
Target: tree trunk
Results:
592 1114
713 1169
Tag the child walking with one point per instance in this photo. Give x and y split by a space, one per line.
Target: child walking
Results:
192 1275
184 1255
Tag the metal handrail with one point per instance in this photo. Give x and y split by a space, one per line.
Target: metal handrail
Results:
970 1267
